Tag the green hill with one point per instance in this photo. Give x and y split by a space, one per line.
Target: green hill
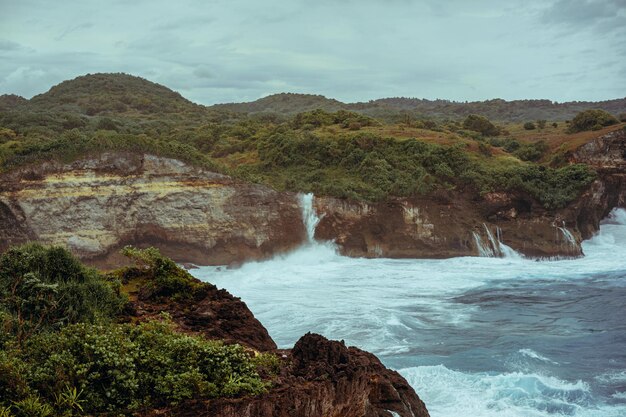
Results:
95 94
285 103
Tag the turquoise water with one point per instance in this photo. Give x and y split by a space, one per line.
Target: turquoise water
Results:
481 336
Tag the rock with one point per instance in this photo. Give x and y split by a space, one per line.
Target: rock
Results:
321 378
216 315
97 205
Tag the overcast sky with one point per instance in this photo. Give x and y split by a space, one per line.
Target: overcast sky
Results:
214 51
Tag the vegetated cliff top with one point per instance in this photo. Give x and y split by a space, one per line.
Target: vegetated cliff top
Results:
9 101
93 94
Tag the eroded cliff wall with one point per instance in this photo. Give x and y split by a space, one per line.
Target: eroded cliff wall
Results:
97 205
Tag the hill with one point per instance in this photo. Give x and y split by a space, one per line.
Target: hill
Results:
398 108
285 103
94 94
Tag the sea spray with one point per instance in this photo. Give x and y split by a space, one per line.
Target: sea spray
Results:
568 236
483 250
484 337
309 215
495 247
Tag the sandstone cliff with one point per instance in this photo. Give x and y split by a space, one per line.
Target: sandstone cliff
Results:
97 205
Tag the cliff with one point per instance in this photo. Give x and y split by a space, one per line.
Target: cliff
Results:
97 205
317 378
457 224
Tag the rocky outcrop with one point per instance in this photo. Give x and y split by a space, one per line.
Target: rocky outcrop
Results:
607 155
317 378
215 314
321 378
97 205
457 224
447 226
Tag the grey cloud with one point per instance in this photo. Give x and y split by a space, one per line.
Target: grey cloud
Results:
229 50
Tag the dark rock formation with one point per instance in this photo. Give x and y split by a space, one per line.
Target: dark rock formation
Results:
321 378
216 315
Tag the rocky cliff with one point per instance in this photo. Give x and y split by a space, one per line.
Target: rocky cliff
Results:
457 224
97 205
317 378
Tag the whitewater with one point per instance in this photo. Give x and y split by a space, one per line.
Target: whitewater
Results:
482 336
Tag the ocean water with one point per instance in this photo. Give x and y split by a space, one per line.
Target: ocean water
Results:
480 336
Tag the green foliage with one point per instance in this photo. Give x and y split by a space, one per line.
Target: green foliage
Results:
591 120
529 126
47 287
61 355
73 144
164 277
481 125
319 117
553 187
266 364
531 151
32 406
143 365
541 124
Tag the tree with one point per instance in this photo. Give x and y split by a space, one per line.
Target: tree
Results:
594 119
481 125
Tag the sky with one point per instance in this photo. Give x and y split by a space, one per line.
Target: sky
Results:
217 51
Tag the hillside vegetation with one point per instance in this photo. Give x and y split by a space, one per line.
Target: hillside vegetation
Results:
65 331
342 152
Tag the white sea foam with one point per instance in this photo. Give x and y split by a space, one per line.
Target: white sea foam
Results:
449 393
385 305
534 355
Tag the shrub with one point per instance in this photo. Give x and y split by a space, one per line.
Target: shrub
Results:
143 365
164 277
591 120
480 124
47 287
529 126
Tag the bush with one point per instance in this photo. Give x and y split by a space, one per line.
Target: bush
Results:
529 126
481 125
143 365
45 288
164 278
591 120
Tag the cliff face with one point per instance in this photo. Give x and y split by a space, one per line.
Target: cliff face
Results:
317 378
97 205
454 224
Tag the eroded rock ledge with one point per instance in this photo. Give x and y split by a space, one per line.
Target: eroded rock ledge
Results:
97 205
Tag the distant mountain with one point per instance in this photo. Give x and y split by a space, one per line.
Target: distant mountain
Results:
94 94
123 94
